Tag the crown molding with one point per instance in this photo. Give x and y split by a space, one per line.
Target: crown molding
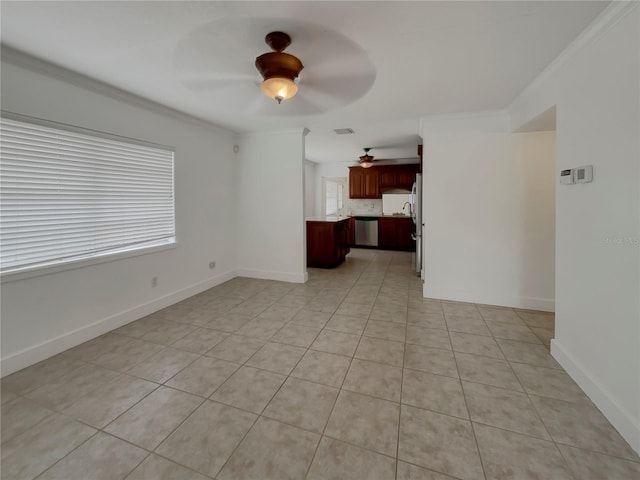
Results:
21 59
608 18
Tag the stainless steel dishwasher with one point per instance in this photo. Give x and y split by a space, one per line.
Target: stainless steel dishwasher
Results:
367 231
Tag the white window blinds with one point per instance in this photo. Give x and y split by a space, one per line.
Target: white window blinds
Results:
72 194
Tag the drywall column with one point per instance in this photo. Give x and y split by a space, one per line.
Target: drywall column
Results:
488 212
597 97
309 188
598 318
271 213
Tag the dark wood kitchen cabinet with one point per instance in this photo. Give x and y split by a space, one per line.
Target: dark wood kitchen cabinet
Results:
327 242
364 182
387 177
397 177
373 182
405 176
352 231
356 182
394 233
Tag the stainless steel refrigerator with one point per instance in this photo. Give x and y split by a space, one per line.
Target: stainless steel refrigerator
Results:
416 215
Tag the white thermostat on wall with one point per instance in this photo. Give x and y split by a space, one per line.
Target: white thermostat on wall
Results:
566 177
584 174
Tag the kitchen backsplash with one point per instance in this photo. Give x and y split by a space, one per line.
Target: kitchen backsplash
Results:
357 206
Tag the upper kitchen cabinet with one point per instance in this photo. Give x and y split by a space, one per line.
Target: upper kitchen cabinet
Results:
406 175
397 177
373 182
387 177
364 182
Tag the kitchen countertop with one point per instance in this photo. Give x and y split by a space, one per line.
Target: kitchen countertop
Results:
340 218
327 219
334 218
378 216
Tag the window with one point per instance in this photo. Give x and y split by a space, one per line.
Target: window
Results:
70 194
334 189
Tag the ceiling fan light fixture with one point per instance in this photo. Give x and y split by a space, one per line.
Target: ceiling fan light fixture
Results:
366 160
279 88
278 69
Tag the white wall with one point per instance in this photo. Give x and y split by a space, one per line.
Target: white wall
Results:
309 188
271 213
489 215
44 315
596 93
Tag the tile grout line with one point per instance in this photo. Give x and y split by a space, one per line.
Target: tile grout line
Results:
258 416
204 400
340 389
404 352
272 397
65 456
341 385
466 404
528 397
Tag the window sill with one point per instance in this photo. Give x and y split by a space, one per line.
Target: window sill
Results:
40 271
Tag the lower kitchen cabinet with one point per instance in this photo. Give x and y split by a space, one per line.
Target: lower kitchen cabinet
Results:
327 242
352 231
394 233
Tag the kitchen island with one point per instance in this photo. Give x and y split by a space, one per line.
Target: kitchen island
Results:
327 241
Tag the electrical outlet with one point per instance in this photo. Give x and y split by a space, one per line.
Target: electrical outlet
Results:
154 282
212 264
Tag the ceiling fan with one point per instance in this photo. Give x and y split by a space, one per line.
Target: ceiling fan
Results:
278 69
366 160
224 65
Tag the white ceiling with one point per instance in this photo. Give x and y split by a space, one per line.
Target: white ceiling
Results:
373 66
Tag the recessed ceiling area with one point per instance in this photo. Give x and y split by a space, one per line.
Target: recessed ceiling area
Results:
376 67
388 140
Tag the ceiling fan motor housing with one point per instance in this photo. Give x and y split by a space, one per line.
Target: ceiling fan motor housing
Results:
278 64
278 41
278 69
366 160
366 157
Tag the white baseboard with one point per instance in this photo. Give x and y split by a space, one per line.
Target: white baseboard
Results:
528 303
36 353
271 275
619 417
533 303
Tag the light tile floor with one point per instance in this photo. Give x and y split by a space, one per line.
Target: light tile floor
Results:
352 375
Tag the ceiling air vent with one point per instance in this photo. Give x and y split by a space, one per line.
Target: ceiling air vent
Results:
344 131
